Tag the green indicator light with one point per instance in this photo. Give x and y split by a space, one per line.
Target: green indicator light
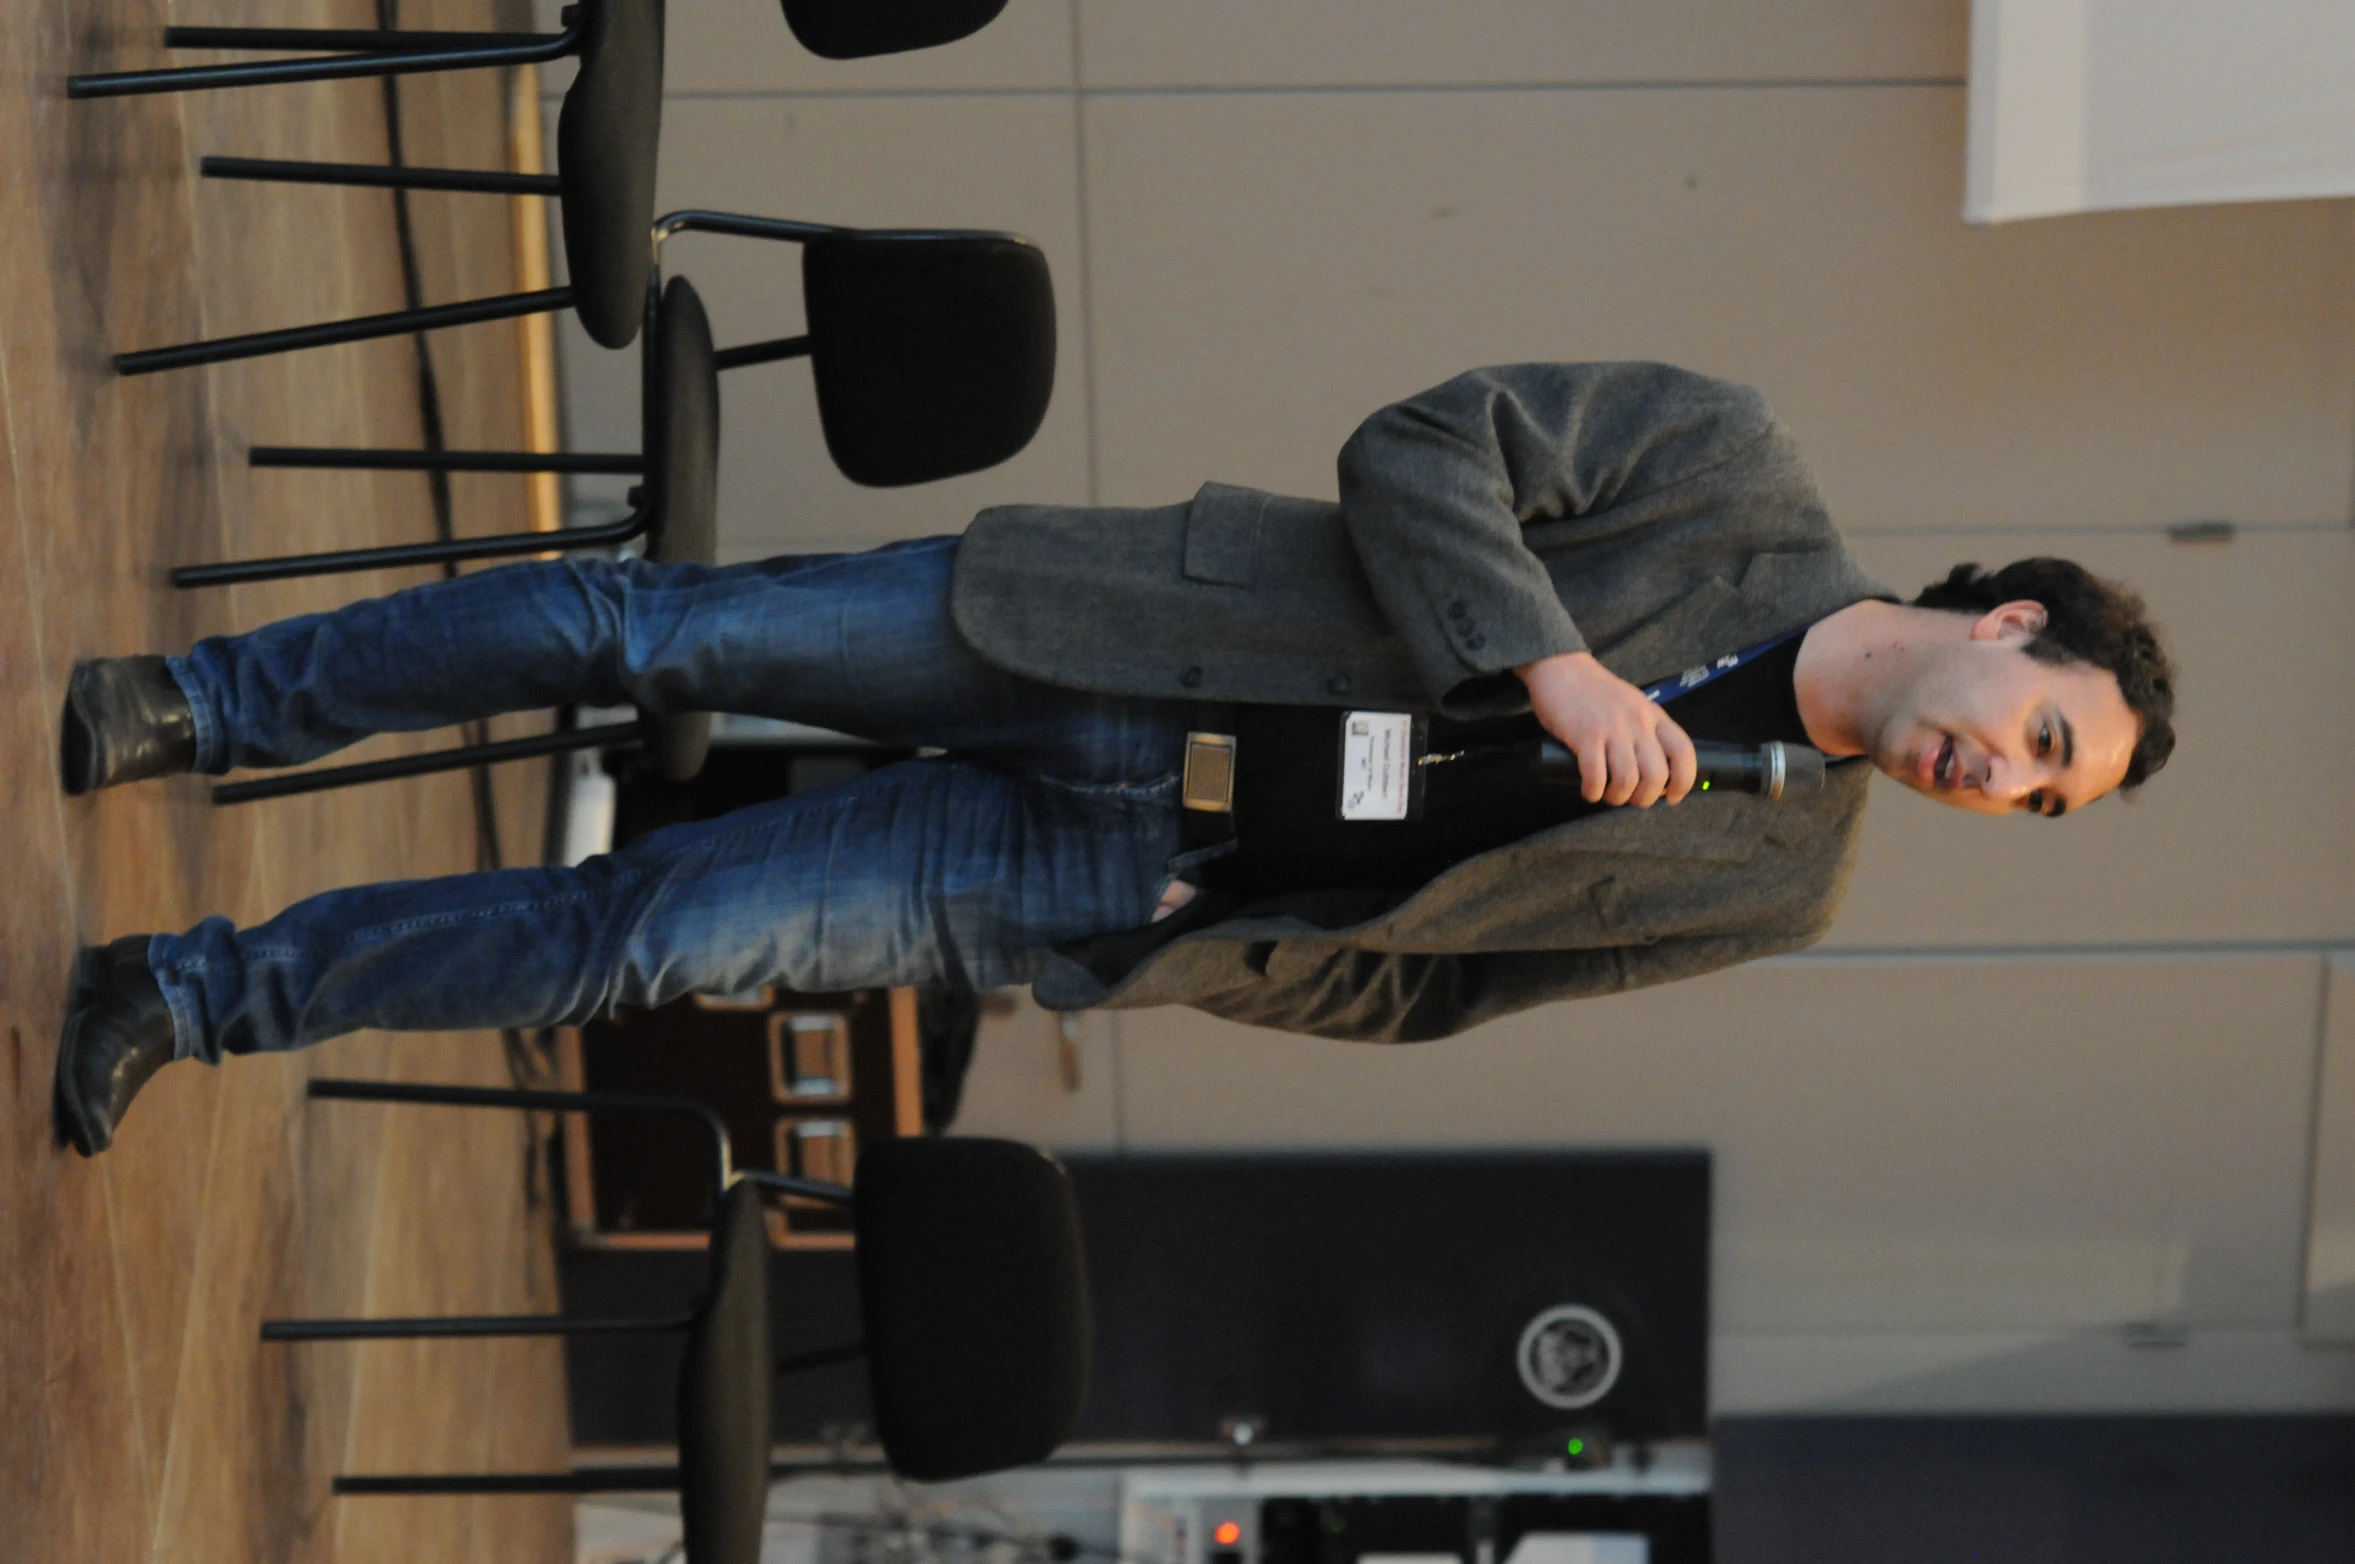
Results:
1704 787
1577 1447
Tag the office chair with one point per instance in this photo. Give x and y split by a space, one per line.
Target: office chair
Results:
608 134
972 1299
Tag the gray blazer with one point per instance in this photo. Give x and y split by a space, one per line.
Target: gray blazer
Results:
1655 517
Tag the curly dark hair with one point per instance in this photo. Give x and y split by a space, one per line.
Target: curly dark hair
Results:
2087 620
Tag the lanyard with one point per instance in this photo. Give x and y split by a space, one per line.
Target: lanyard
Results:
1659 691
1668 689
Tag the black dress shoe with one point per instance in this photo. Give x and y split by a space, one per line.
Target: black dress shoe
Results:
118 1033
125 719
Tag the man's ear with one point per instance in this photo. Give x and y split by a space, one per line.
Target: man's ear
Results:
2014 621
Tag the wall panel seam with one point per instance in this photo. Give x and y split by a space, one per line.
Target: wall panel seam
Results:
1312 89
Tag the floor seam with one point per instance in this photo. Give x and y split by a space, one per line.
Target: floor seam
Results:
188 1346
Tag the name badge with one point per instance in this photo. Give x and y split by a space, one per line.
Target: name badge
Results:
1379 779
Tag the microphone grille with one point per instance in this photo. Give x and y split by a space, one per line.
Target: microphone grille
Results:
1803 770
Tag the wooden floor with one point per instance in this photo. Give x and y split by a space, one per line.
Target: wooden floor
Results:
139 1416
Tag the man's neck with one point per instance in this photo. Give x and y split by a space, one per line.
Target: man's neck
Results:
1846 661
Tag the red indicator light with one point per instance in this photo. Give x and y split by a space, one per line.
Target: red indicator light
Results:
1227 1535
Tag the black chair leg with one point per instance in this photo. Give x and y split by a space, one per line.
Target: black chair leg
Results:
788 1184
396 323
535 1099
587 1479
428 1326
503 545
480 181
333 67
505 1097
345 457
343 39
768 352
611 735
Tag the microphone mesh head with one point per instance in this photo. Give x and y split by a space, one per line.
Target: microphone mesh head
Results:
1803 768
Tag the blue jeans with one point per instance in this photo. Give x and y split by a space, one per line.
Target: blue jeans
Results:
1053 815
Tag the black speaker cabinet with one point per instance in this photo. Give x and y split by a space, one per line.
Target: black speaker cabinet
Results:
1504 1305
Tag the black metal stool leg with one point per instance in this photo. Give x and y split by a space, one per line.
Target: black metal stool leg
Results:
333 67
789 1184
433 1325
505 1097
504 545
768 352
611 735
534 1098
396 323
373 460
343 39
587 1479
481 181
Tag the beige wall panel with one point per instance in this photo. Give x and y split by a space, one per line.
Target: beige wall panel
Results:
2126 369
1045 1078
744 46
1924 1146
2240 838
1850 1372
877 162
1151 43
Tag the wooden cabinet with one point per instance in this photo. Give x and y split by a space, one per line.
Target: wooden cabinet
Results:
801 1080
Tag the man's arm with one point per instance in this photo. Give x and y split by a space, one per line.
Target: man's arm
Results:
1436 490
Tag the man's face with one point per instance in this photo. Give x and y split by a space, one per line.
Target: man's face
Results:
1986 727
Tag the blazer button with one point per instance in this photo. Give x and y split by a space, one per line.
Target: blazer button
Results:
1190 675
1338 684
1457 610
1475 642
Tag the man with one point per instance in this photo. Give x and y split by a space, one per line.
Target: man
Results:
1521 546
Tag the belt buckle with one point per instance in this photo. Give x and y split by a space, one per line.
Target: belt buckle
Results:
1209 780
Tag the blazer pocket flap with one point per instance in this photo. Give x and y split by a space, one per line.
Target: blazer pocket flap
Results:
1222 535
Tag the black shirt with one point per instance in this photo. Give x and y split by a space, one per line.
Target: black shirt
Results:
1289 836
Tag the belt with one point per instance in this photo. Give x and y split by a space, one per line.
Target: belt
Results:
1206 789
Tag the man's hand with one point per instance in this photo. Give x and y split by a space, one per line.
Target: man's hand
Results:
1629 750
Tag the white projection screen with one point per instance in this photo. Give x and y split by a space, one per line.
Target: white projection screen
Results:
2087 105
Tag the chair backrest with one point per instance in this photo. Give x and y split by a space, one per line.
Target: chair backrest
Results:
606 140
973 1289
933 352
853 29
682 403
724 1392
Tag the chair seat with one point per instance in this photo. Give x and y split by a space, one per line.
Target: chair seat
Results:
973 1292
607 138
854 29
724 1393
933 353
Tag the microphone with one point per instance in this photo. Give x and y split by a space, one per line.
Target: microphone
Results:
1775 770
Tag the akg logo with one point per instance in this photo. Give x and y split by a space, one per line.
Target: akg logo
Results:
1570 1356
